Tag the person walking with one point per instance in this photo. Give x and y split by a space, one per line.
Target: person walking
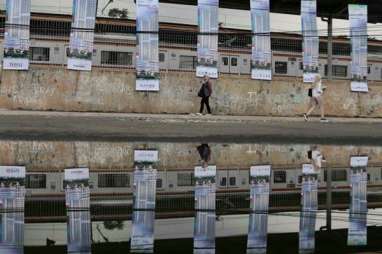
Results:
316 93
205 92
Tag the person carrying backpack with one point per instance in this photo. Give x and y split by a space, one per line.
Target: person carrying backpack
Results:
205 93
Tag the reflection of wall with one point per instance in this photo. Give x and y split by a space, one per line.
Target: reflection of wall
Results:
55 156
53 88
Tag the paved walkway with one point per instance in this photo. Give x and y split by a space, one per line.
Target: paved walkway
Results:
186 128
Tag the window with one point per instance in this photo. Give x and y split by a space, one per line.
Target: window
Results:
113 180
162 57
225 61
35 181
159 183
187 62
279 177
39 54
337 175
223 181
116 58
185 179
234 61
337 70
281 67
232 181
369 69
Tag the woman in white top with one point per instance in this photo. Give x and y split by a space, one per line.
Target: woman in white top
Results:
316 93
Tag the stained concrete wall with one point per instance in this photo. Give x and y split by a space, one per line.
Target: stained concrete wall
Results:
101 156
106 90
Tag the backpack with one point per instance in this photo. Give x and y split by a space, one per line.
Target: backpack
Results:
204 91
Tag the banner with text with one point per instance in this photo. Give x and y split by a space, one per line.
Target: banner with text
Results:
16 35
81 46
144 193
358 34
77 197
208 56
147 59
311 40
259 203
357 234
12 200
205 196
261 64
309 205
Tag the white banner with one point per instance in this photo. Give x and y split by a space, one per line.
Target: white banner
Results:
261 64
358 34
208 56
76 174
311 40
12 172
146 156
205 172
359 161
147 58
262 170
16 35
308 169
82 35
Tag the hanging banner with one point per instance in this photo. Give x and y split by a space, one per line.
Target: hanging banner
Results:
309 207
147 67
16 35
261 41
258 220
12 200
311 40
205 196
146 156
77 196
144 191
82 35
208 18
357 234
358 34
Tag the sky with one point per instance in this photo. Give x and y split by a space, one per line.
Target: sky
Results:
186 14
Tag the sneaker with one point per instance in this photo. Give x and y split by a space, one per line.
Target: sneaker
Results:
306 118
198 114
324 120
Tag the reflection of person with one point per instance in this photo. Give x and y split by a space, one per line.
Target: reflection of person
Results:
317 158
205 93
205 154
316 93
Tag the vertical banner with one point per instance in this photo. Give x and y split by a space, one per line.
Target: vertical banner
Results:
82 35
358 34
357 234
147 65
144 191
309 207
16 35
261 67
208 21
77 196
205 196
258 220
12 197
311 40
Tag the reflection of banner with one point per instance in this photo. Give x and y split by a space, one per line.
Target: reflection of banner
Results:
82 35
147 67
208 38
144 191
357 234
204 225
358 34
261 40
258 220
16 35
12 196
77 196
309 209
311 41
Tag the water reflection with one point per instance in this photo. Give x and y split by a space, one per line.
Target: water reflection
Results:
12 195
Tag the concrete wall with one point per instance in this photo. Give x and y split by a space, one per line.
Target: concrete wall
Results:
101 156
106 90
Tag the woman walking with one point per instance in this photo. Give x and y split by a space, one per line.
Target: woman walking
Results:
316 94
205 93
